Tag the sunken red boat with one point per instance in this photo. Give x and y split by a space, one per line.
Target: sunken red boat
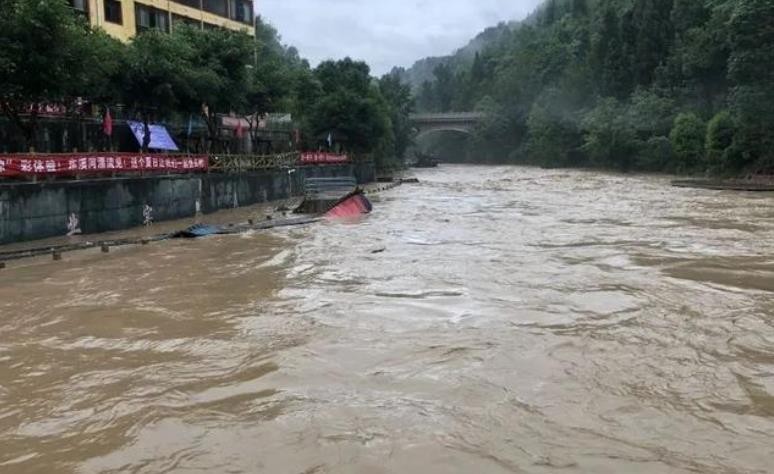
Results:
352 205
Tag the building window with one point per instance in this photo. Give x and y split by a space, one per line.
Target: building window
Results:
241 11
113 12
143 18
162 21
247 13
147 18
82 6
217 7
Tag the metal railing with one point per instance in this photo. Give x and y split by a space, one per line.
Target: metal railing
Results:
447 117
242 163
328 188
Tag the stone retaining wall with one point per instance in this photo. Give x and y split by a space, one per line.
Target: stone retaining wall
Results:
30 211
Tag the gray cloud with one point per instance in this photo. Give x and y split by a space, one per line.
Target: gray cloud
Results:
385 33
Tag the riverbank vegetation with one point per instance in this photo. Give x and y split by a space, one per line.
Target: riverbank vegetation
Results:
659 85
50 55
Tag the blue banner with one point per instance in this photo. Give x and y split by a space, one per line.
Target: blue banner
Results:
160 138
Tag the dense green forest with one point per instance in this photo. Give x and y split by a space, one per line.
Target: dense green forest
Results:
661 85
49 54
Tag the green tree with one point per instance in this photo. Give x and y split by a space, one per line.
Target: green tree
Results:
687 138
654 36
720 136
751 70
610 64
610 140
550 12
699 62
655 154
688 14
426 100
155 77
580 8
103 78
306 90
218 76
350 106
477 72
47 54
444 87
650 114
270 77
400 104
553 138
489 136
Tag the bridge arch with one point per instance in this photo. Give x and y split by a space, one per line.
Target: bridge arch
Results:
462 122
426 132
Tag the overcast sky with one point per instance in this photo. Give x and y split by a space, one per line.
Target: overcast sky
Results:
385 33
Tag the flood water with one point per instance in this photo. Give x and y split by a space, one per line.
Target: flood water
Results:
487 320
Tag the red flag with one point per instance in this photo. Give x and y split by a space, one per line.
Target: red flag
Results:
239 130
107 124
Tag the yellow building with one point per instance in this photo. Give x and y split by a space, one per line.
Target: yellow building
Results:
123 19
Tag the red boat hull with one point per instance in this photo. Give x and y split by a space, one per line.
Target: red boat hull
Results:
353 205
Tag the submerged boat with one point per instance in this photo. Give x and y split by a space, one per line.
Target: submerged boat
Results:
351 205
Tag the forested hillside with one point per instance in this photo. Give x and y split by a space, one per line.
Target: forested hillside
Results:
423 70
672 85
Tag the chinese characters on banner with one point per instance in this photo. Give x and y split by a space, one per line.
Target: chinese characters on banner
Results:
98 163
315 157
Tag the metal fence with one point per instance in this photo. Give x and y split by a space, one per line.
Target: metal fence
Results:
242 163
328 188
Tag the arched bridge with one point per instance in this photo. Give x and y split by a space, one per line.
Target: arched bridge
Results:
463 122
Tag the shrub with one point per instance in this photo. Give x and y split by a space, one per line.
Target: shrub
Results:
720 136
687 138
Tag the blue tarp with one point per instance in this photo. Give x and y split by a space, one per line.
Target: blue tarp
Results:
160 138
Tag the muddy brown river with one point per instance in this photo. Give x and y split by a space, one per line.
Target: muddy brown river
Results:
487 320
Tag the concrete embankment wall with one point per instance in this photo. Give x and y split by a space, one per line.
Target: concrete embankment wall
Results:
30 211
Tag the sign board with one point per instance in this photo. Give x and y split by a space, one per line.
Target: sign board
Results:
160 138
322 158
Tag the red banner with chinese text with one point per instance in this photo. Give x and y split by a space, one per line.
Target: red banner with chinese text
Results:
99 163
317 157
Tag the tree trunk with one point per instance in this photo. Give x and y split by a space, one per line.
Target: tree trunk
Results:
27 128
